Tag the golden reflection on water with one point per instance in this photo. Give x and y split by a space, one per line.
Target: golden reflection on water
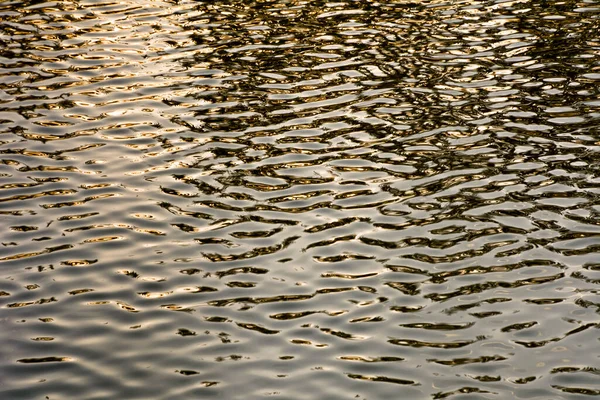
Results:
232 199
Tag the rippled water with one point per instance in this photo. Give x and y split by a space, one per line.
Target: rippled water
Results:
299 199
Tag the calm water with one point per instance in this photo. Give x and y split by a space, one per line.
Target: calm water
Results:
299 199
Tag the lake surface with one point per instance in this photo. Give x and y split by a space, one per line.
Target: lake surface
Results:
299 199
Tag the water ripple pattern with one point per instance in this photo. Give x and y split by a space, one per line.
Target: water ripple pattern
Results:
299 199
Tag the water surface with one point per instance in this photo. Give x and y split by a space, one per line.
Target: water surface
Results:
299 199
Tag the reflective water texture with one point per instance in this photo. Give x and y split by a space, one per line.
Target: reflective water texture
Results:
299 199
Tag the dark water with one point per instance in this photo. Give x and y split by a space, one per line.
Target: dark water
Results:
299 199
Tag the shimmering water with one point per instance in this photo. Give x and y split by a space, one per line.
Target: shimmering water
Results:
299 199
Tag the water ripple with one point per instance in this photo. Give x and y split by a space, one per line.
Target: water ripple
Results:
232 199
